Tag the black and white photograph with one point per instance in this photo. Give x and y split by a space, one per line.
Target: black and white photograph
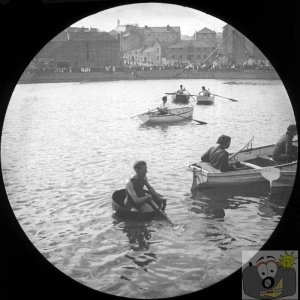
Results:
144 147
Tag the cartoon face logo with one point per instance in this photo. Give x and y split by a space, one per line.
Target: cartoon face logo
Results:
267 277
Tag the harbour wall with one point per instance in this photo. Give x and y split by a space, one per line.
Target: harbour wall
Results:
144 75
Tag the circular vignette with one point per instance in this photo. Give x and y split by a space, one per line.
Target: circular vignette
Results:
30 252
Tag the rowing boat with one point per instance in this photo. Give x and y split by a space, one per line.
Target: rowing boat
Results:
180 98
249 163
205 99
175 115
118 198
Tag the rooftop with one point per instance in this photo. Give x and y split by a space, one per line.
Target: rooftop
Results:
84 36
199 44
163 29
206 30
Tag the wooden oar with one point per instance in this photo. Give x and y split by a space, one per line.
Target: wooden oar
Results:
234 100
144 113
158 209
270 174
191 95
200 122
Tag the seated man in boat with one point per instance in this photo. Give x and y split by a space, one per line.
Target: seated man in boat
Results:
284 151
163 108
204 92
139 199
218 156
181 90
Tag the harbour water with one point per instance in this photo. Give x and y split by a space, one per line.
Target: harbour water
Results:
66 147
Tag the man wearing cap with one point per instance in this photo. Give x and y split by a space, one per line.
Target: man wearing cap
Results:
218 156
163 108
284 151
139 199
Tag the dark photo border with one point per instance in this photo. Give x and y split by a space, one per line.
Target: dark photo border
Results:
27 27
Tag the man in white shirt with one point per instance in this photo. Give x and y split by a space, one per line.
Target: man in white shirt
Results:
205 92
163 108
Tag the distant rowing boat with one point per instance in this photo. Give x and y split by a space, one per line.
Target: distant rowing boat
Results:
174 115
205 99
251 163
181 98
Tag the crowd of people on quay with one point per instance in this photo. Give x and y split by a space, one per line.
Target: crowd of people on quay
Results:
217 65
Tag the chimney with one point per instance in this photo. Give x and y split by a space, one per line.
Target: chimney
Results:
168 27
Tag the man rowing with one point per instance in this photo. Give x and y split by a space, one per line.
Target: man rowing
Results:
181 90
163 108
218 156
284 151
139 199
204 92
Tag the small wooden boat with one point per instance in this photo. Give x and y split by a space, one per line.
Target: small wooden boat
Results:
178 114
180 98
251 162
118 198
205 100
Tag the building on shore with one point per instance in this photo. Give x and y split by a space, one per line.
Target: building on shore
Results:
188 52
148 56
239 49
78 49
136 37
206 34
169 34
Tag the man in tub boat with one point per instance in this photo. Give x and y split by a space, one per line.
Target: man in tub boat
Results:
284 151
218 156
139 199
163 108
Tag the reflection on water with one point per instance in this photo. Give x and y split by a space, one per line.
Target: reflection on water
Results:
137 233
213 202
164 127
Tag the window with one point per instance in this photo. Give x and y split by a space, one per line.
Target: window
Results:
198 56
173 56
180 56
157 58
190 57
190 49
157 50
87 55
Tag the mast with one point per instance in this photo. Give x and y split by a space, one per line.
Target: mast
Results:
216 48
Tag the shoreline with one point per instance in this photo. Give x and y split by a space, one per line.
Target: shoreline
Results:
146 75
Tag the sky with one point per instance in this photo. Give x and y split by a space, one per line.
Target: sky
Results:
153 14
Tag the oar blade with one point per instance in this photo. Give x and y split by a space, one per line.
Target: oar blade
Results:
234 100
200 122
270 173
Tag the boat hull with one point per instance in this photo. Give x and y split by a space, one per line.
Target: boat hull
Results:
178 115
205 176
181 98
205 100
118 198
